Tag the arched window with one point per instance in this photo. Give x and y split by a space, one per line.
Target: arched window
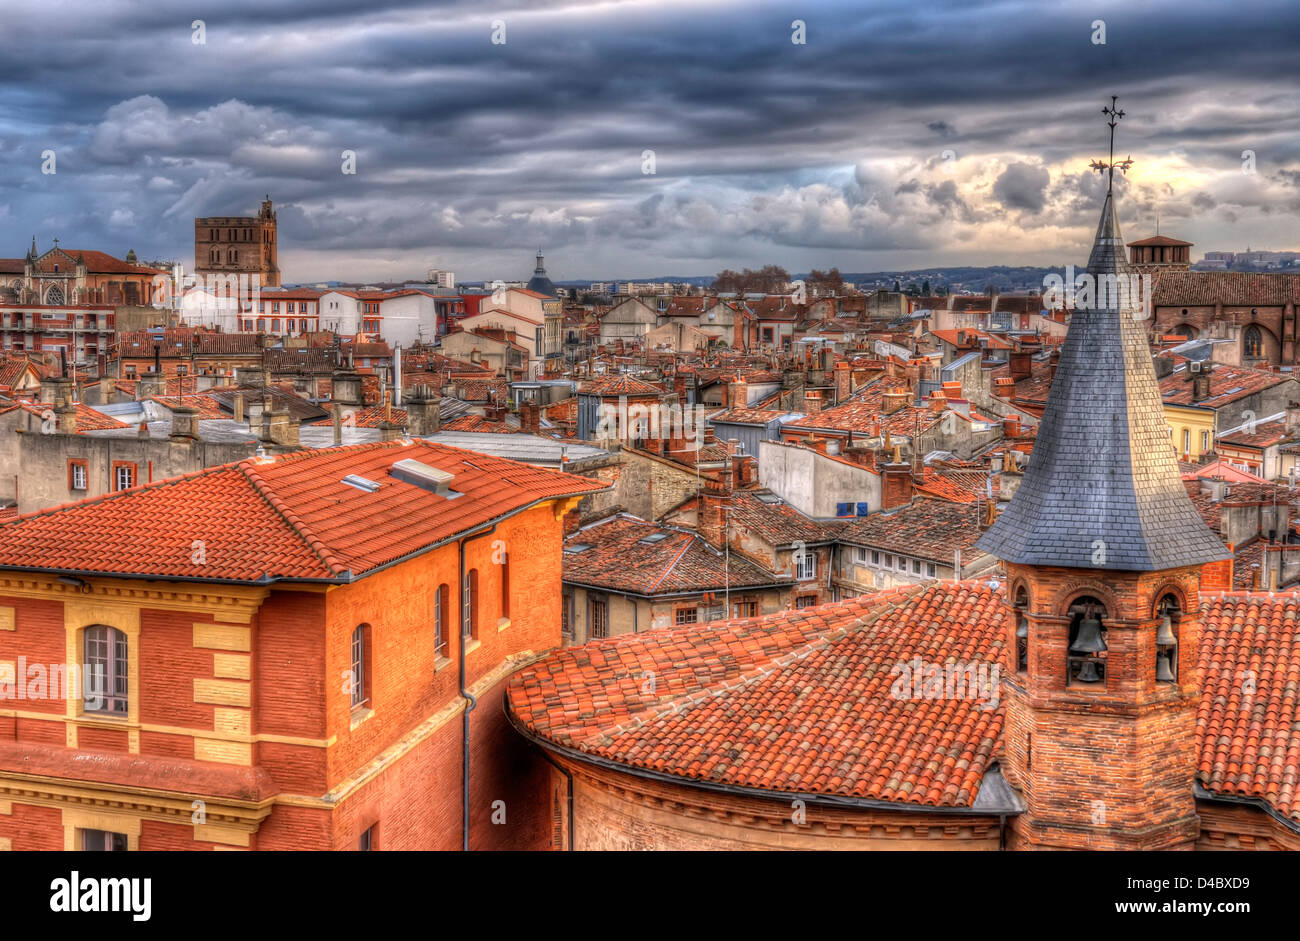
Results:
1167 640
1254 342
1022 632
441 621
469 605
361 666
1086 655
54 295
104 685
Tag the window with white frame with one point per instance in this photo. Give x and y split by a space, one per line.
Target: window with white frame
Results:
805 566
106 670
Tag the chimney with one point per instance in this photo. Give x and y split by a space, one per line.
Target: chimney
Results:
895 483
938 402
279 428
239 407
336 413
1292 416
894 400
1020 364
389 431
346 387
988 513
185 422
1200 386
710 517
812 402
65 418
55 390
422 412
1051 364
843 382
530 417
1011 426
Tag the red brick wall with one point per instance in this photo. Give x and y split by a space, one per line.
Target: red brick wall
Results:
1111 765
30 827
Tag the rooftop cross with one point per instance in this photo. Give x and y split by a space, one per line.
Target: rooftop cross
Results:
1114 115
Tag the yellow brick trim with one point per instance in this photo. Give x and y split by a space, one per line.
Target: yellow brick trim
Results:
223 692
236 723
235 603
235 666
6 844
74 820
222 636
176 730
228 753
6 618
229 835
6 807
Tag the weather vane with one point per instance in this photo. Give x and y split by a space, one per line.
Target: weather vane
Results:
1114 115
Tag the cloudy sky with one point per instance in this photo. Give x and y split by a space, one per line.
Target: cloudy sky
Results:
897 135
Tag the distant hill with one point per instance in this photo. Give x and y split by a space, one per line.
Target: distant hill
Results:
971 278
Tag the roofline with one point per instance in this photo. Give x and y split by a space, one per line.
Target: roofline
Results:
1202 793
674 594
347 578
826 800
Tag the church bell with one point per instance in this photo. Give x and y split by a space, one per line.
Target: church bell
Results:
1165 635
1089 639
1164 671
1088 672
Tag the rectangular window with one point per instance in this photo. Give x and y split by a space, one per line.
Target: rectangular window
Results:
875 557
440 621
469 604
598 622
1205 441
805 566
103 841
916 566
805 601
359 667
931 570
123 475
902 564
76 475
860 555
889 561
1187 440
686 615
105 660
744 609
367 841
566 614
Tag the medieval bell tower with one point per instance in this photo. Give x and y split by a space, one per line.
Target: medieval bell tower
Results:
1103 551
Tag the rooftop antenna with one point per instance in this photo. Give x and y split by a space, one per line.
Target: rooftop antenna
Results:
1109 166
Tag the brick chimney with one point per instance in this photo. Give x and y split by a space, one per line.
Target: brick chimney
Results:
843 382
1292 416
894 400
712 502
1020 364
1200 386
530 417
938 402
895 483
812 402
1011 426
739 393
389 431
1051 364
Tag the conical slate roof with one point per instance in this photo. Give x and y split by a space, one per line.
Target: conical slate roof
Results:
1102 489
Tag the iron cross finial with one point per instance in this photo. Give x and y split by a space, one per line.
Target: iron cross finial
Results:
1114 115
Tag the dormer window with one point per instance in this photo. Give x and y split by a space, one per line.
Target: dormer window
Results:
1086 656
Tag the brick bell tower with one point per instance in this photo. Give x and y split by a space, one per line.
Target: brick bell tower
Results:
1103 551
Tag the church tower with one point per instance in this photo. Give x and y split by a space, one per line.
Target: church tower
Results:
1103 551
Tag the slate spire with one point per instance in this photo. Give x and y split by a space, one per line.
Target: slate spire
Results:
1102 489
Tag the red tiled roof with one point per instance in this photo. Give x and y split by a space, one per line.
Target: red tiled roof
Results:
1227 384
619 385
796 702
370 417
927 529
480 424
291 518
1248 722
681 562
88 419
1238 288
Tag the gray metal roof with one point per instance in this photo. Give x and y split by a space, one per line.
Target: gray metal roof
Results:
530 449
1102 489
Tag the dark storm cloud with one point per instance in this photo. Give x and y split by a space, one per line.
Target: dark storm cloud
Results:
881 134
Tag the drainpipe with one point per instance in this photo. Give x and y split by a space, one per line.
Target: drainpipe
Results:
465 693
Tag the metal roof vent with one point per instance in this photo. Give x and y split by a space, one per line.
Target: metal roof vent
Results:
361 483
422 475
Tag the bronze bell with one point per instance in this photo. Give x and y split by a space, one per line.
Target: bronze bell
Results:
1165 635
1089 639
1022 627
1088 672
1164 671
